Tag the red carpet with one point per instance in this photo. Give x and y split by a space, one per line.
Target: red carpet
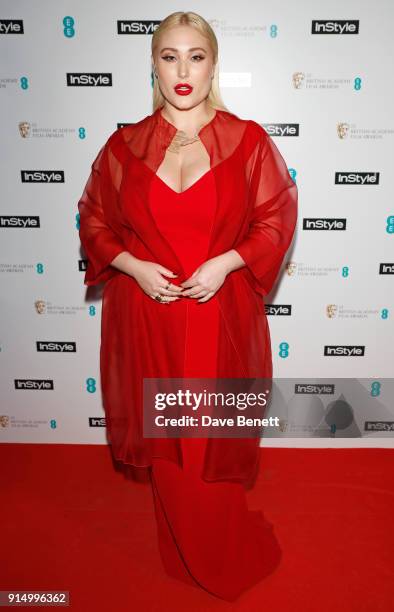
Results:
70 521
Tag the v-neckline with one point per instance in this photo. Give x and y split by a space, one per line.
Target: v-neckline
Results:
174 129
178 193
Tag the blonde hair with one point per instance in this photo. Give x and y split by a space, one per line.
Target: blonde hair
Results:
198 22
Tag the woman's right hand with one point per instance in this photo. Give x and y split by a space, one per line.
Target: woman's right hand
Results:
151 278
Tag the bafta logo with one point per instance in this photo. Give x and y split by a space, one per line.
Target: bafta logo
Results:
298 79
342 130
24 129
40 306
4 420
331 310
214 23
291 267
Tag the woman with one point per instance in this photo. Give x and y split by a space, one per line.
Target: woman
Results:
186 217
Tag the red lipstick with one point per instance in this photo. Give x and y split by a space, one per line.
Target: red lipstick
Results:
183 89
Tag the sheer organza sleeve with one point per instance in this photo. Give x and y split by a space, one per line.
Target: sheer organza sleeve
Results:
274 201
99 222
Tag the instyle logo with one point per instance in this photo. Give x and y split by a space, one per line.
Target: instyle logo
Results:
46 346
335 26
344 350
89 79
386 268
136 26
11 26
121 125
26 222
316 389
379 426
33 384
323 224
96 421
42 176
282 129
82 265
278 309
357 178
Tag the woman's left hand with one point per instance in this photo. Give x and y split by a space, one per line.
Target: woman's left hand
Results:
206 279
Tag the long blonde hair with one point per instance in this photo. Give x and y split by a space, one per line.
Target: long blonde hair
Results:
198 22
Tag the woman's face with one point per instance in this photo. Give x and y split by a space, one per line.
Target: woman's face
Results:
183 56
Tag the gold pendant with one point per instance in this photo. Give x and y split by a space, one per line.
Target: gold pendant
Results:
180 140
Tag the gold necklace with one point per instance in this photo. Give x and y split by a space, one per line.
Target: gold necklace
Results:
181 139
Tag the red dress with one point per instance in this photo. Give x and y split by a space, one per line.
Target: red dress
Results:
207 536
255 215
247 201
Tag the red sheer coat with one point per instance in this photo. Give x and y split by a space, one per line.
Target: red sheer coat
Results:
256 215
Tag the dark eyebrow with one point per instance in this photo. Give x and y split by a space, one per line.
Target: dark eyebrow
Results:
192 49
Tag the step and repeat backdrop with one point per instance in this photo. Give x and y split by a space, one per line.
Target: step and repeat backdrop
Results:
318 79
